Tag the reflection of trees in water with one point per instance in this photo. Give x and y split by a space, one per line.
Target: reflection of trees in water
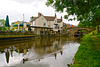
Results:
23 48
19 48
15 41
70 39
7 56
41 46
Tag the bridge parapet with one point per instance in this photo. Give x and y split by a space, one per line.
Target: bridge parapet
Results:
72 30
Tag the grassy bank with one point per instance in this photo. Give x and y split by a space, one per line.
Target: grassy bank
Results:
88 54
7 36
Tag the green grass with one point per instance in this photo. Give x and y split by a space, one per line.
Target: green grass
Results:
88 54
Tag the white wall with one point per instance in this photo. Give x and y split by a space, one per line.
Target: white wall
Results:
40 21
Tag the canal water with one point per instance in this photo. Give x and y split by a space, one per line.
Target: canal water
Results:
42 52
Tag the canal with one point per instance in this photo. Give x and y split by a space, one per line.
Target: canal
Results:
41 52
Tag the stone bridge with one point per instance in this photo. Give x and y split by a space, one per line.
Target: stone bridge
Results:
72 30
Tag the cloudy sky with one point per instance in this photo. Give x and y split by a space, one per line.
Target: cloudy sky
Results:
16 8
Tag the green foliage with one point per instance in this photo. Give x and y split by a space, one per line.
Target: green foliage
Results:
84 9
88 52
7 21
2 22
97 14
2 25
31 18
86 24
87 11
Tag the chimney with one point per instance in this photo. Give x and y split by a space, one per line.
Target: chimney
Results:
39 14
55 14
61 18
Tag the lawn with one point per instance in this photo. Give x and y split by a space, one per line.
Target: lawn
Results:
88 54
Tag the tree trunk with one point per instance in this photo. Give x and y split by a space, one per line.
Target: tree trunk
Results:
97 27
98 20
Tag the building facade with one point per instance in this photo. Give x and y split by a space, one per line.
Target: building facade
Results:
46 24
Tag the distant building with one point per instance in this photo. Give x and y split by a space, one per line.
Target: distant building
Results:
44 24
20 25
65 27
69 25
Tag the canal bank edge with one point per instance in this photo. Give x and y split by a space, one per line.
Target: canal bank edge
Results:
16 36
88 54
6 37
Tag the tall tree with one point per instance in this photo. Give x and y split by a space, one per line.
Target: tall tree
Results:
7 21
85 10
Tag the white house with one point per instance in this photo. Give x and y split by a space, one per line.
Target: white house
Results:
44 24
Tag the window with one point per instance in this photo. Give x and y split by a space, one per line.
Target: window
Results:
44 24
56 26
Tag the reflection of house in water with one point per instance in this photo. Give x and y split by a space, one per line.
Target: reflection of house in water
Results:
41 47
47 46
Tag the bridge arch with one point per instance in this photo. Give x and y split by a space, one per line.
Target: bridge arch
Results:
72 30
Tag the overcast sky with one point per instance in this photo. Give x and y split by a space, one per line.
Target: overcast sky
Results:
16 8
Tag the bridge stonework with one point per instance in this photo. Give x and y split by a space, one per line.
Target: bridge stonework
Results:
72 30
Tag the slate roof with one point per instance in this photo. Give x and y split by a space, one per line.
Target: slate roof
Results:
49 18
59 20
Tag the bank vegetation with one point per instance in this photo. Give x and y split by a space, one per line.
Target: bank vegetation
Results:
88 54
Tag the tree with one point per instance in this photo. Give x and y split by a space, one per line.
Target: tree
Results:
2 24
86 24
85 10
31 18
97 16
7 21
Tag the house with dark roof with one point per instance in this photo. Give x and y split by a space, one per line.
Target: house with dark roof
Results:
46 24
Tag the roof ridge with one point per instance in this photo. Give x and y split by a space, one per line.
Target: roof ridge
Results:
49 16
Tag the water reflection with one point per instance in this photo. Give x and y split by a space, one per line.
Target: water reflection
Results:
7 56
36 49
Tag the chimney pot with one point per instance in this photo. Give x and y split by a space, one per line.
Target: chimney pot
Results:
61 18
55 14
39 14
